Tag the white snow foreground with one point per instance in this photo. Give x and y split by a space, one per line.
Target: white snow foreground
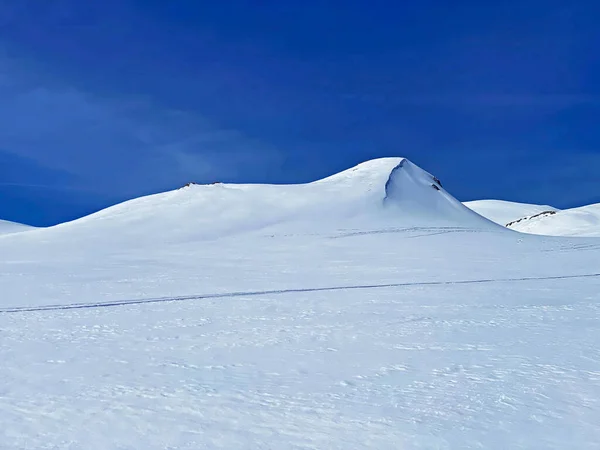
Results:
366 310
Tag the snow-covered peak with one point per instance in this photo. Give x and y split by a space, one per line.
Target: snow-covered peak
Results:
418 195
390 190
372 171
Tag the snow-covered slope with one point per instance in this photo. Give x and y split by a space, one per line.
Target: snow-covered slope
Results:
503 212
583 221
366 310
386 190
7 227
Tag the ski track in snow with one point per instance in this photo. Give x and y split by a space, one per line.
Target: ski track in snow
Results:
391 368
20 309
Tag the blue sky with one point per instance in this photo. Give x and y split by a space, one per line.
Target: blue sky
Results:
104 101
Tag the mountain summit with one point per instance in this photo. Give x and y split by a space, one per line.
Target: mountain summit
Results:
386 191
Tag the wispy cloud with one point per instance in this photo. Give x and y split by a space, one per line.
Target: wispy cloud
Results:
126 145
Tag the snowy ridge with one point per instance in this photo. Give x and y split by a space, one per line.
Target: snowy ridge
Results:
503 212
583 221
527 218
541 219
7 227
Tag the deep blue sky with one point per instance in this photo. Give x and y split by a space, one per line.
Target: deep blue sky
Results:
101 101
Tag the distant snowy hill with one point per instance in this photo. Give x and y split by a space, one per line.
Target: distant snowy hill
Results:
367 310
540 219
582 221
7 227
503 212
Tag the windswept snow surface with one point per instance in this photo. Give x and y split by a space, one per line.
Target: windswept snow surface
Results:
7 227
503 212
365 310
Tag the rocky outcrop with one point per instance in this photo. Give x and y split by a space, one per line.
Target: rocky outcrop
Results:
542 214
